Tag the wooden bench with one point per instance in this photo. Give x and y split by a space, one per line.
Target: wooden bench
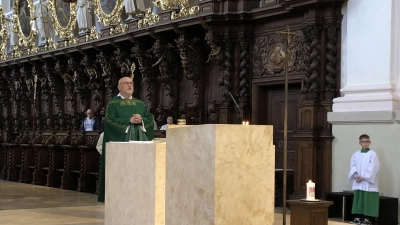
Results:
3 165
28 163
13 161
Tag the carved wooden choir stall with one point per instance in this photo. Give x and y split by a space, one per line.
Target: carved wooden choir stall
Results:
187 58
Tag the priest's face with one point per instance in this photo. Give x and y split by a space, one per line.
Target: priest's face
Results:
365 142
125 86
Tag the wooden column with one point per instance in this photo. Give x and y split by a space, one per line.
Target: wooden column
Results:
309 213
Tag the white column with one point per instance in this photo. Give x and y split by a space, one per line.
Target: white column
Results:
370 73
370 42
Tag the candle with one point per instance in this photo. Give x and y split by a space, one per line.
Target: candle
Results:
310 191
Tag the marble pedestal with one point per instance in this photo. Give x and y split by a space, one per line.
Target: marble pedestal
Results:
219 174
135 183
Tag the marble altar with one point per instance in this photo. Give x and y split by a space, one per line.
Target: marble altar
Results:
220 174
135 183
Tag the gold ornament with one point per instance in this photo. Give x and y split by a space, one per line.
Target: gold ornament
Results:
120 28
133 68
93 34
64 32
3 35
112 19
149 19
167 4
50 45
17 52
35 78
181 8
30 39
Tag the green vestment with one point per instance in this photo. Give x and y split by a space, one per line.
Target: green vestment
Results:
118 114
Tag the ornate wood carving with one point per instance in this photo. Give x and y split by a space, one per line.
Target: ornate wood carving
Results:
63 138
24 137
93 71
16 94
330 78
61 70
77 138
26 88
72 70
216 54
47 140
91 140
40 94
227 80
108 72
192 61
6 101
90 70
54 85
213 110
161 114
244 75
123 62
64 119
45 94
269 54
148 77
37 139
312 79
26 82
167 62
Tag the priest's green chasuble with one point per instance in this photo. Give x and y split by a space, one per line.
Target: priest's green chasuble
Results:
118 114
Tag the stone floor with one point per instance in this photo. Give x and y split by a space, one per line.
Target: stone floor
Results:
25 204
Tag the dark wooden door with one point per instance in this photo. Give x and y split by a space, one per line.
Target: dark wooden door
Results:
274 113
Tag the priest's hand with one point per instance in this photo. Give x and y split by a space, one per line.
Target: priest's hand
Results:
136 119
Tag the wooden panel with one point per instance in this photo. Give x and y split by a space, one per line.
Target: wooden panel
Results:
273 114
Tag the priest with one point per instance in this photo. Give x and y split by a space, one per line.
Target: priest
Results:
126 119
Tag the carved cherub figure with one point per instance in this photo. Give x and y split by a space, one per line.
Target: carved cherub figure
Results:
123 62
76 81
91 72
29 83
215 54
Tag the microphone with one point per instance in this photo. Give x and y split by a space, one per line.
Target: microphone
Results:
236 106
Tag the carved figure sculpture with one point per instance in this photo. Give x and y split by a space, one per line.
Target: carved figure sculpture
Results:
216 51
84 16
134 8
43 20
13 30
29 84
277 56
76 81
